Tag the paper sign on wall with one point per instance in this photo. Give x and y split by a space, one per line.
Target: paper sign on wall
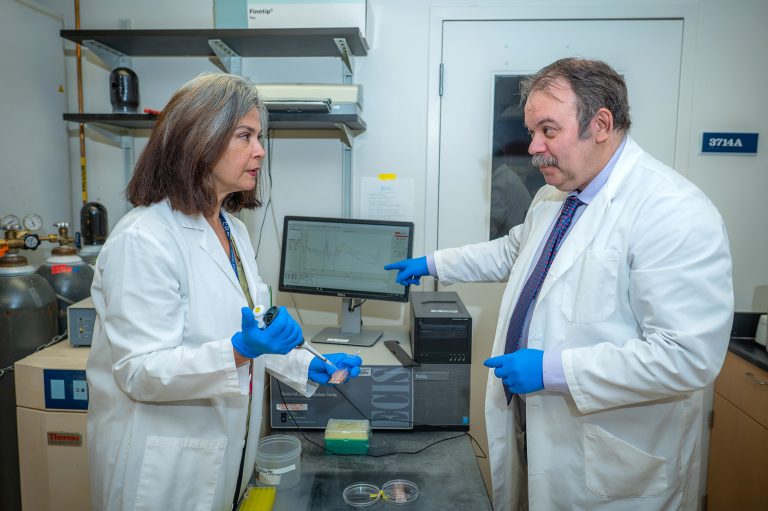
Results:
387 197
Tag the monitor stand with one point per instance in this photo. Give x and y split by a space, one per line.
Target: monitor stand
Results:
351 332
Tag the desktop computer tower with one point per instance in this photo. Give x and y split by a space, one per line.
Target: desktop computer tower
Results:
441 344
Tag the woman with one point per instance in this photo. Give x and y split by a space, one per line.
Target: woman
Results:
172 421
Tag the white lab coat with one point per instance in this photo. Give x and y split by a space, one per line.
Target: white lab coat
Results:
640 301
168 406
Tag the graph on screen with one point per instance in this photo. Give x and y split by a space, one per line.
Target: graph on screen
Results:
343 256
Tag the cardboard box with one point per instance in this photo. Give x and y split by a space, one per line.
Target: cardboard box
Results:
310 14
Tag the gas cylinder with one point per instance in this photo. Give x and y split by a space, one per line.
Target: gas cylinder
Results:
69 276
27 320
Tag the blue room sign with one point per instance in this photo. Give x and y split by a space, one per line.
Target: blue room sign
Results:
719 142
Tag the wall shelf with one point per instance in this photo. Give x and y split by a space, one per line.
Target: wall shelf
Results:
246 42
227 47
277 121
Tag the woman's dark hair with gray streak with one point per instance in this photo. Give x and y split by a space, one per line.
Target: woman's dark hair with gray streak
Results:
596 85
191 134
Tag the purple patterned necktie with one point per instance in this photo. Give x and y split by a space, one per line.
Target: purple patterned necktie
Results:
533 284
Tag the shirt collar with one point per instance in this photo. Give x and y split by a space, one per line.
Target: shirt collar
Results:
588 194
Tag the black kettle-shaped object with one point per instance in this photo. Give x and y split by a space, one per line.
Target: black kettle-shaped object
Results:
124 90
93 224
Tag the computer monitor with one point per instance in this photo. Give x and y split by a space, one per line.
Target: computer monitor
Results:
344 257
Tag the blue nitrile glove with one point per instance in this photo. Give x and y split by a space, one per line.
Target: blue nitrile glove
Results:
521 371
320 372
280 336
409 270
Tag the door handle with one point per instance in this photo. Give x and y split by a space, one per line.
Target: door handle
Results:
756 379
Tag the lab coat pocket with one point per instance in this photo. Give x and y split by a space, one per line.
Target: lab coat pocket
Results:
179 473
617 469
590 287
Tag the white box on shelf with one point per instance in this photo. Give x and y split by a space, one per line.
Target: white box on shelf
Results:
310 14
340 98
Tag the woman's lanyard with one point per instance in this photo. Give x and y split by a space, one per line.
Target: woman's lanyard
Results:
232 260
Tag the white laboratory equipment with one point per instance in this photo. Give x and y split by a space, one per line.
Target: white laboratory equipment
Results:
51 406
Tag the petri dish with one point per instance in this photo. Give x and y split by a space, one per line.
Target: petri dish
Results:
399 491
361 494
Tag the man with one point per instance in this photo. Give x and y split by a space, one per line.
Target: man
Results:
616 314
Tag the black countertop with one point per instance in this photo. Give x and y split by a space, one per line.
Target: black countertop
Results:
749 350
447 473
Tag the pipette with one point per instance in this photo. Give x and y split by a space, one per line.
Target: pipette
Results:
270 314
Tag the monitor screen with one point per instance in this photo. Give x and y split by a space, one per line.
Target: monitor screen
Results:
344 257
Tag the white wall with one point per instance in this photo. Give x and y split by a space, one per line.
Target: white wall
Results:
34 163
727 96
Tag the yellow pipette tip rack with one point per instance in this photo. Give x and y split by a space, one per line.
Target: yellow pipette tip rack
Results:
258 498
347 436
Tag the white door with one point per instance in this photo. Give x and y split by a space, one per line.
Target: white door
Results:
481 60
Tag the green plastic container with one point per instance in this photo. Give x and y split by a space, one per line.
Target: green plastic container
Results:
347 436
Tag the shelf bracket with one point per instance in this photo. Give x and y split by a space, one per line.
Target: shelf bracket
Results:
111 57
341 44
226 58
345 134
114 135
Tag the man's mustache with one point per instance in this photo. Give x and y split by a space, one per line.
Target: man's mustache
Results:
539 160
